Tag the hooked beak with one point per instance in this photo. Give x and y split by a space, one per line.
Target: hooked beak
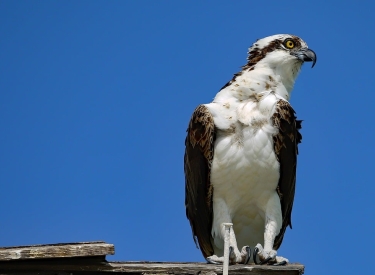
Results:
305 55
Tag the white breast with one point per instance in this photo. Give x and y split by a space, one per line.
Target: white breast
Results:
245 171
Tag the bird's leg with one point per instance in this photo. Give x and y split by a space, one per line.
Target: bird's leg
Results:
235 255
273 222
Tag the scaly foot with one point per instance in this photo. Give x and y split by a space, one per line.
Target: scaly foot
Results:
268 257
242 257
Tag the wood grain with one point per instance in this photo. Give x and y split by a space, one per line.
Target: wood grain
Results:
98 265
199 268
89 258
65 250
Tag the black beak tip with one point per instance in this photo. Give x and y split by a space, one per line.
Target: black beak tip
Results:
311 56
306 55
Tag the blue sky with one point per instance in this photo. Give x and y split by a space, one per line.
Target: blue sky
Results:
95 97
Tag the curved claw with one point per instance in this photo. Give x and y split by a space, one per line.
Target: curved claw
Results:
281 263
231 249
211 261
248 255
232 256
266 261
256 250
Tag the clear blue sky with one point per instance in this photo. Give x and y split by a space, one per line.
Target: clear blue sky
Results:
95 97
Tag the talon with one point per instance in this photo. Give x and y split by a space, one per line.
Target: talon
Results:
266 261
231 249
256 250
232 255
248 255
211 261
235 256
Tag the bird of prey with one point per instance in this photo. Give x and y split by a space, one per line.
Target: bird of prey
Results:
241 156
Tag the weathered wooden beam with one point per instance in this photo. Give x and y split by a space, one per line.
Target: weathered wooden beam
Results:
98 265
89 258
202 268
65 250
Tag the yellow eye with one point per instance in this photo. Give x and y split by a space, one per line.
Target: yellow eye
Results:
289 44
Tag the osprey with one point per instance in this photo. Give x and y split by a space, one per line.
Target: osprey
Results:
241 156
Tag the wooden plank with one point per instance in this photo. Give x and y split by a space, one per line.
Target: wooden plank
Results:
62 250
98 265
202 268
89 258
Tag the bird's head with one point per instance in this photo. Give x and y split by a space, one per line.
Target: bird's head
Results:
283 54
283 51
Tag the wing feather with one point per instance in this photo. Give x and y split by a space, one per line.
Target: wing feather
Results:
199 152
286 149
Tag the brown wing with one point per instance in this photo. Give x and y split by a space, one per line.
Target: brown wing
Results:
285 144
199 153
